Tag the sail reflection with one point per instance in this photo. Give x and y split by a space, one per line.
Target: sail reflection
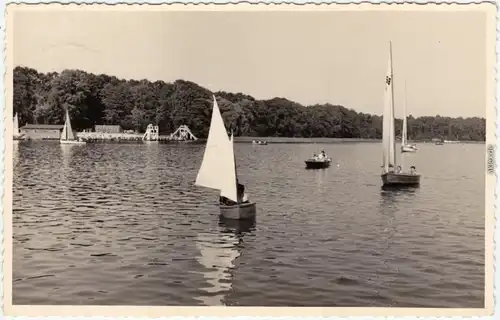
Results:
15 153
218 252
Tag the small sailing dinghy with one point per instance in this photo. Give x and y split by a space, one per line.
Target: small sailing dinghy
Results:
16 134
393 175
405 147
218 171
67 135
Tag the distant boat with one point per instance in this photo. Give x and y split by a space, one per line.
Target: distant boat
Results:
392 175
439 143
451 141
260 142
67 135
17 135
318 163
405 147
218 171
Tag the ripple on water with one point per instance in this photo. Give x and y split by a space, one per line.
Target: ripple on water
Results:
116 224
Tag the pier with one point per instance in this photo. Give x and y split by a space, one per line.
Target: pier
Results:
182 134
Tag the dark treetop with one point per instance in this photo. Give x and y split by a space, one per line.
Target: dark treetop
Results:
101 99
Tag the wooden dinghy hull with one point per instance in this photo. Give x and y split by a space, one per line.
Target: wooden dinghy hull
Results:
313 164
400 179
242 211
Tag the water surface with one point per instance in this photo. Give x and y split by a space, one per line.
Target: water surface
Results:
122 224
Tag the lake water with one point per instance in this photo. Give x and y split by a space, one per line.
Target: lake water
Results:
122 224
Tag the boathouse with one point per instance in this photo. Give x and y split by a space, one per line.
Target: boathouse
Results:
42 131
103 128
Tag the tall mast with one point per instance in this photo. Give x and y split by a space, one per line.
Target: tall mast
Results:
392 97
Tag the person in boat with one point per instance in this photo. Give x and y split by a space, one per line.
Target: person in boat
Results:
398 169
315 156
391 168
413 170
242 196
323 155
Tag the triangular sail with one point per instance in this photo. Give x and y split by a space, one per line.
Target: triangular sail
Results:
16 125
404 135
217 170
67 133
388 133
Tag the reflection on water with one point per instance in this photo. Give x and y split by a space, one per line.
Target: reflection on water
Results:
218 252
121 224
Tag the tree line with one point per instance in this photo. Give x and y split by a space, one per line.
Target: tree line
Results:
133 104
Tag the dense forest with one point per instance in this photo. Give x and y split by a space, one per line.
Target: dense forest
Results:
102 99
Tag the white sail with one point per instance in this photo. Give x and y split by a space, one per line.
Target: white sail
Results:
67 133
16 125
404 135
388 133
217 170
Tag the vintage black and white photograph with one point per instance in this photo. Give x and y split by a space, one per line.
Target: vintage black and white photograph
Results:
250 155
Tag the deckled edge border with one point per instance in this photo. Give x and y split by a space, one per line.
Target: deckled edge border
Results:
3 8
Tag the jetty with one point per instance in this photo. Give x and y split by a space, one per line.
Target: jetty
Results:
182 134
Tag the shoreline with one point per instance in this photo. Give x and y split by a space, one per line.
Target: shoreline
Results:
92 137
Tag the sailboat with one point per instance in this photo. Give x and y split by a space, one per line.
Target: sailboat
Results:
218 171
67 135
405 147
392 175
16 134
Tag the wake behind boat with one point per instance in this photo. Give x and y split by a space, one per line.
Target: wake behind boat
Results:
393 175
218 171
67 135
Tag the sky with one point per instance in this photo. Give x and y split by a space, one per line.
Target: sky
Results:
311 57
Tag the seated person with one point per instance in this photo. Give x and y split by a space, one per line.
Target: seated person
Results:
242 197
413 170
226 202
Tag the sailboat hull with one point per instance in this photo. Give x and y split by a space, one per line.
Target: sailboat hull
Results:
317 164
241 211
408 149
400 179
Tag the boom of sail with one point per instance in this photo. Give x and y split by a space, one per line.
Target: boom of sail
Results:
218 169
